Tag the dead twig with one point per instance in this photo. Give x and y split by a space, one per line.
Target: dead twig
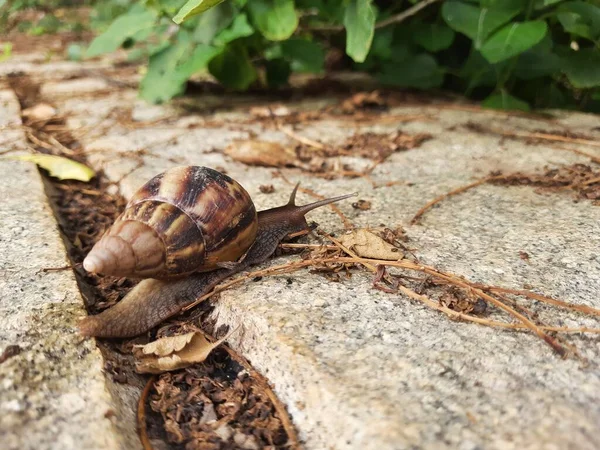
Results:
542 298
474 289
453 192
141 415
301 139
545 137
401 17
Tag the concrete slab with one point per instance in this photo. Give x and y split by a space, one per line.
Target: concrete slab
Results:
52 391
359 368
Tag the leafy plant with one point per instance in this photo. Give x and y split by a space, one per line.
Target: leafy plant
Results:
508 53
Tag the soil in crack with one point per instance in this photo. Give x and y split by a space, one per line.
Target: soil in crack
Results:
214 405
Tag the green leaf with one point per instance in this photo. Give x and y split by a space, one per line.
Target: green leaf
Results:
161 82
197 61
193 8
538 62
278 72
513 40
359 22
478 23
59 167
233 68
582 68
433 37
123 28
419 71
239 28
504 100
305 56
382 43
541 4
479 72
580 18
212 22
275 19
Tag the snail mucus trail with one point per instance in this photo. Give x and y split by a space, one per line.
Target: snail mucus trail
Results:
184 231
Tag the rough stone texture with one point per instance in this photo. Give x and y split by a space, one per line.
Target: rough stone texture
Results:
362 369
52 394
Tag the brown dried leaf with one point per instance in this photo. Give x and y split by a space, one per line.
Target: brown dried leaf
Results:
174 352
262 153
364 100
363 205
368 245
266 188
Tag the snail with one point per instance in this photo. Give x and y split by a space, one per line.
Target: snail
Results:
184 231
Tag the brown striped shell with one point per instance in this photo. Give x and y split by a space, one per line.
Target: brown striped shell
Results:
184 220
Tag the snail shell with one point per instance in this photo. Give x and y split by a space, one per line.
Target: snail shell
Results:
187 219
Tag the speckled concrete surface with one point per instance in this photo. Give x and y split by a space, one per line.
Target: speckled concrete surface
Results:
359 368
52 393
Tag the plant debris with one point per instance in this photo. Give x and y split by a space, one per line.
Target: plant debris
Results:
59 167
318 158
580 179
368 245
266 188
262 153
217 405
363 205
173 352
460 301
84 211
364 101
380 146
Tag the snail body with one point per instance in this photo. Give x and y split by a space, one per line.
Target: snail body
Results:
185 230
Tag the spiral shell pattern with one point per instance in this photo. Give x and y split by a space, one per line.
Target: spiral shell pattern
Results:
184 220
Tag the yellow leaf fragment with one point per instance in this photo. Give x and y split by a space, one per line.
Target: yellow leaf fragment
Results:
368 245
59 167
174 352
262 153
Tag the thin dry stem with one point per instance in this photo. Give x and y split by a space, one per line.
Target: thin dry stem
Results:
545 137
301 139
453 192
141 415
542 298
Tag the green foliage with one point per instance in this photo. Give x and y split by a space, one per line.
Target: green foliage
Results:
512 54
513 39
275 19
359 21
126 27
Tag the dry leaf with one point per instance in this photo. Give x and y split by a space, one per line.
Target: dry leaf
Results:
266 188
59 167
39 112
270 111
369 245
174 352
363 205
262 153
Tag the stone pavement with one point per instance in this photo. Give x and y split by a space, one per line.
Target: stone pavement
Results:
52 392
359 368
